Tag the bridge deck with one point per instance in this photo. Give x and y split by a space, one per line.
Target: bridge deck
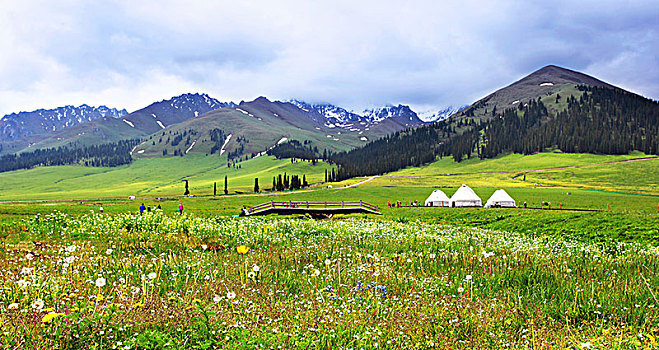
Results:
313 208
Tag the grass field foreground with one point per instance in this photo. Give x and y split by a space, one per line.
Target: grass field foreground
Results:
158 281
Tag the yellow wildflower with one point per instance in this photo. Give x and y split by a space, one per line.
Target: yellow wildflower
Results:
48 309
51 316
242 249
138 304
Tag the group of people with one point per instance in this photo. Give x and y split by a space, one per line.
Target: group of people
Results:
397 204
148 208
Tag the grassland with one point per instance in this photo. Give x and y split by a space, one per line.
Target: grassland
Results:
155 281
152 177
622 202
414 278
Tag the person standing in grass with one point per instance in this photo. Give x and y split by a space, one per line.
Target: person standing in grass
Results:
142 207
180 208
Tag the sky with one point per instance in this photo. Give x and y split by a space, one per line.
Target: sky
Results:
355 54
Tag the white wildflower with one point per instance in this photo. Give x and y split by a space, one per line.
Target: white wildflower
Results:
37 304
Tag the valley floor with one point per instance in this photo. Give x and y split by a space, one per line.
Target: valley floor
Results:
581 275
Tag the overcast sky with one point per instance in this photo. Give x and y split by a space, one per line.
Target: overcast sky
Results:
427 54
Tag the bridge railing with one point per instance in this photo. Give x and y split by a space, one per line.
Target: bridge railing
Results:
312 205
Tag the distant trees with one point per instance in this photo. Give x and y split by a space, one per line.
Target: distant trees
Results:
295 149
104 155
187 190
286 182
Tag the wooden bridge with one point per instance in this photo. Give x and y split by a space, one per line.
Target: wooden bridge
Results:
315 209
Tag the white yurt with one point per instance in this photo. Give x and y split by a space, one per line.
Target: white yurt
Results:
465 197
437 199
500 199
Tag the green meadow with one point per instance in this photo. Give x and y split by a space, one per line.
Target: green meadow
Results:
581 275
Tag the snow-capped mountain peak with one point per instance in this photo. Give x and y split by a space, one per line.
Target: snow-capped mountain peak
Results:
433 115
18 125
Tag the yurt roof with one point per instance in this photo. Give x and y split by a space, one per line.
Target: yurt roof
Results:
464 193
501 196
437 196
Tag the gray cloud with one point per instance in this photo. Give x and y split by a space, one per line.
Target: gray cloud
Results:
356 54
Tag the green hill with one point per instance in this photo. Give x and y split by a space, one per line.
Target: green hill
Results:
550 109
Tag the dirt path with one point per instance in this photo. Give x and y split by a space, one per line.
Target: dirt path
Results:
359 183
532 170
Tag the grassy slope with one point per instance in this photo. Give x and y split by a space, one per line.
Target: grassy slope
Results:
629 189
147 177
262 131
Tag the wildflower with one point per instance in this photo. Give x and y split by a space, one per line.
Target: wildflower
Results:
23 283
315 272
108 251
196 301
231 295
138 305
251 274
204 247
26 270
51 316
216 298
152 275
586 345
29 256
409 260
37 304
468 277
460 289
432 255
48 309
99 297
12 306
327 262
243 249
71 248
100 282
256 268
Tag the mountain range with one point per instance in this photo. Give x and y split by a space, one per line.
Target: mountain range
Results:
550 108
84 125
